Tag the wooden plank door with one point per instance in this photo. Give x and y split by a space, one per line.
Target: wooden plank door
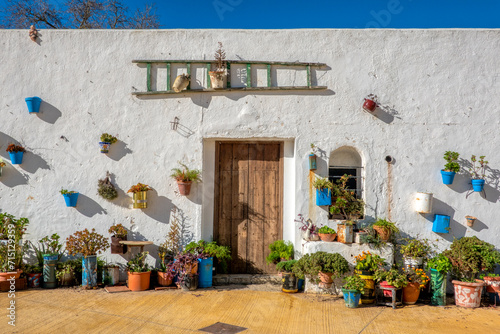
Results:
248 197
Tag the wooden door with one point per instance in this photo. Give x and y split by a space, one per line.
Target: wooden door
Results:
248 202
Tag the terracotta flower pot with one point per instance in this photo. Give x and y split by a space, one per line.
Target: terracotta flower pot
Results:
470 220
468 294
383 232
164 279
138 281
10 274
328 237
325 277
411 292
492 284
184 187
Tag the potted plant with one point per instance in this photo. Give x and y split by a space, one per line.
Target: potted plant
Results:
48 254
16 153
327 234
470 220
492 282
118 233
348 207
106 141
392 278
185 177
206 252
439 266
66 274
353 287
33 104
451 167
414 252
312 158
185 265
87 244
370 103
321 267
106 189
417 279
308 229
181 82
70 197
441 224
219 73
11 260
2 165
323 191
167 251
478 172
288 280
280 250
34 273
138 272
366 265
139 195
469 256
385 229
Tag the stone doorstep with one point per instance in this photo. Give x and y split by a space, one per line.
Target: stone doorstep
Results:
245 279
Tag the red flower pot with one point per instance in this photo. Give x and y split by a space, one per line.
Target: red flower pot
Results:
411 292
492 284
369 105
184 187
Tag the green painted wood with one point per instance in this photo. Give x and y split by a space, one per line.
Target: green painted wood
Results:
177 61
168 77
249 75
148 79
235 89
228 67
269 81
209 82
308 67
188 65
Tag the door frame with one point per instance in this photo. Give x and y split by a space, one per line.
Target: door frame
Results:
216 202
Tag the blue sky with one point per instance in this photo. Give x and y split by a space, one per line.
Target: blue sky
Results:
279 14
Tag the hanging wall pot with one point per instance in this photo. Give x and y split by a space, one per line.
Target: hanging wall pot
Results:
470 220
70 197
323 197
312 161
441 224
370 103
423 202
477 185
181 82
33 104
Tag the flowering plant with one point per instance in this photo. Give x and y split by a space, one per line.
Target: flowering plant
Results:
368 261
416 275
305 224
15 148
138 188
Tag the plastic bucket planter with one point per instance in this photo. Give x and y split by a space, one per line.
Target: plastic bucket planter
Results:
441 224
438 286
16 158
34 280
351 298
49 271
323 197
368 294
89 271
205 269
71 199
33 103
447 177
477 185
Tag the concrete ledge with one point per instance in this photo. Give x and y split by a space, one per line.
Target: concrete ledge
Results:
245 279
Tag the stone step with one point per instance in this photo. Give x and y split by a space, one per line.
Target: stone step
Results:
225 279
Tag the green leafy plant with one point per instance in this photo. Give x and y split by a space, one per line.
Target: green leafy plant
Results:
285 266
280 249
138 188
12 148
86 243
310 265
204 250
12 228
322 183
482 276
345 202
107 138
354 282
326 230
32 269
106 189
387 225
368 261
138 263
184 174
118 231
478 172
440 263
66 192
469 256
48 245
393 277
414 248
451 162
67 268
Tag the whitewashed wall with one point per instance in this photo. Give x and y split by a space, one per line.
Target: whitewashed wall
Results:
438 87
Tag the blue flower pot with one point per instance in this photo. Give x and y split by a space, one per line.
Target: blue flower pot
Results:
16 157
300 284
351 298
71 199
89 271
323 197
447 177
205 271
441 224
33 103
478 185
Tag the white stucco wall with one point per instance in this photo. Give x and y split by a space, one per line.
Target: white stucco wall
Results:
438 88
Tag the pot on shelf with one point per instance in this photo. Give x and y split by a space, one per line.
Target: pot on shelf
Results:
384 233
345 233
328 237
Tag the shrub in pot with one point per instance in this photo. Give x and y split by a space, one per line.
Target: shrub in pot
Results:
366 265
415 252
469 256
218 74
66 274
385 229
439 266
9 225
118 233
478 172
321 266
280 250
352 289
206 252
87 244
327 234
392 278
417 279
106 141
451 167
289 280
139 192
16 153
138 272
34 274
492 282
185 177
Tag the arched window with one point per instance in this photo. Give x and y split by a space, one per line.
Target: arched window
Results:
346 160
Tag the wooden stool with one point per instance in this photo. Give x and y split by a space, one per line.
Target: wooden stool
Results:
380 297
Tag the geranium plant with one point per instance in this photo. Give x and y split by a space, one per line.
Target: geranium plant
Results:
354 282
478 171
86 243
451 162
368 261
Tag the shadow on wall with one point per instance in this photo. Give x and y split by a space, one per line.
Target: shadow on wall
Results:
461 183
118 150
11 177
31 161
123 199
88 207
48 112
478 226
457 230
159 207
186 233
195 195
